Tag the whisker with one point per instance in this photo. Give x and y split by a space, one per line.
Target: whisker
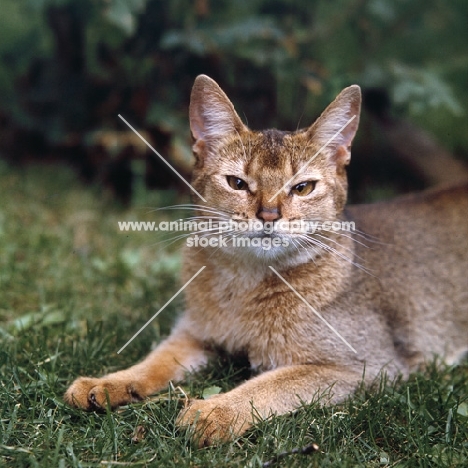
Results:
356 232
242 144
336 253
337 243
304 166
203 233
305 248
340 233
189 206
299 122
191 218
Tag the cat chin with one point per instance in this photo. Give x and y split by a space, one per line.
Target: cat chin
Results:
282 255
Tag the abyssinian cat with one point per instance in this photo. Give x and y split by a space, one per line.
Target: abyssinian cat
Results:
317 311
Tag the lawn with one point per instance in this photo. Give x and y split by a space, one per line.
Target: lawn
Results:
73 291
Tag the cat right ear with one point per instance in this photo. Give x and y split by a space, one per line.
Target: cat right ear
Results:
212 115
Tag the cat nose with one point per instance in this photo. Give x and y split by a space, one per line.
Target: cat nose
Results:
268 214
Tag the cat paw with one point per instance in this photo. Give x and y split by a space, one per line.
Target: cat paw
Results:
91 393
213 421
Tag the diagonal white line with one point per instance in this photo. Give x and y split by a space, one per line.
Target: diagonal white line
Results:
162 159
161 309
313 157
313 310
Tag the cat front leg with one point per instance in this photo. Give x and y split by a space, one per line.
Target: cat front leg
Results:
222 417
178 354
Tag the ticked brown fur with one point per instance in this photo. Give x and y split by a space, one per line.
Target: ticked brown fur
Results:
395 289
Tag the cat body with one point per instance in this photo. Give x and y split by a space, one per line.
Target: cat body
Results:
320 312
395 314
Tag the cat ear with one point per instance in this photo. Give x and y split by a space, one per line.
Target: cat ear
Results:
338 124
212 115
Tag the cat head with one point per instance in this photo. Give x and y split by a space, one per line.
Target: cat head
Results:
271 176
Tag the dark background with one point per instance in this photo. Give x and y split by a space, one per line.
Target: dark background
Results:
68 68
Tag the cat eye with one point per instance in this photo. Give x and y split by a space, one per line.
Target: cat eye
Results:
303 189
236 183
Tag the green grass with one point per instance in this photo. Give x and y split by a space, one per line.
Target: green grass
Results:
73 290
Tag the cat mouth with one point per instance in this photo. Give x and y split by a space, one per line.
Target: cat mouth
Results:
262 235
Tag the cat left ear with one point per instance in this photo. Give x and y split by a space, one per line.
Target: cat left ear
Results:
212 115
337 125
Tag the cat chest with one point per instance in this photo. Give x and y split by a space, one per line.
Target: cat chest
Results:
274 328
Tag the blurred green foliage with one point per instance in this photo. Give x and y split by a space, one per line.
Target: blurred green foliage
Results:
281 61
